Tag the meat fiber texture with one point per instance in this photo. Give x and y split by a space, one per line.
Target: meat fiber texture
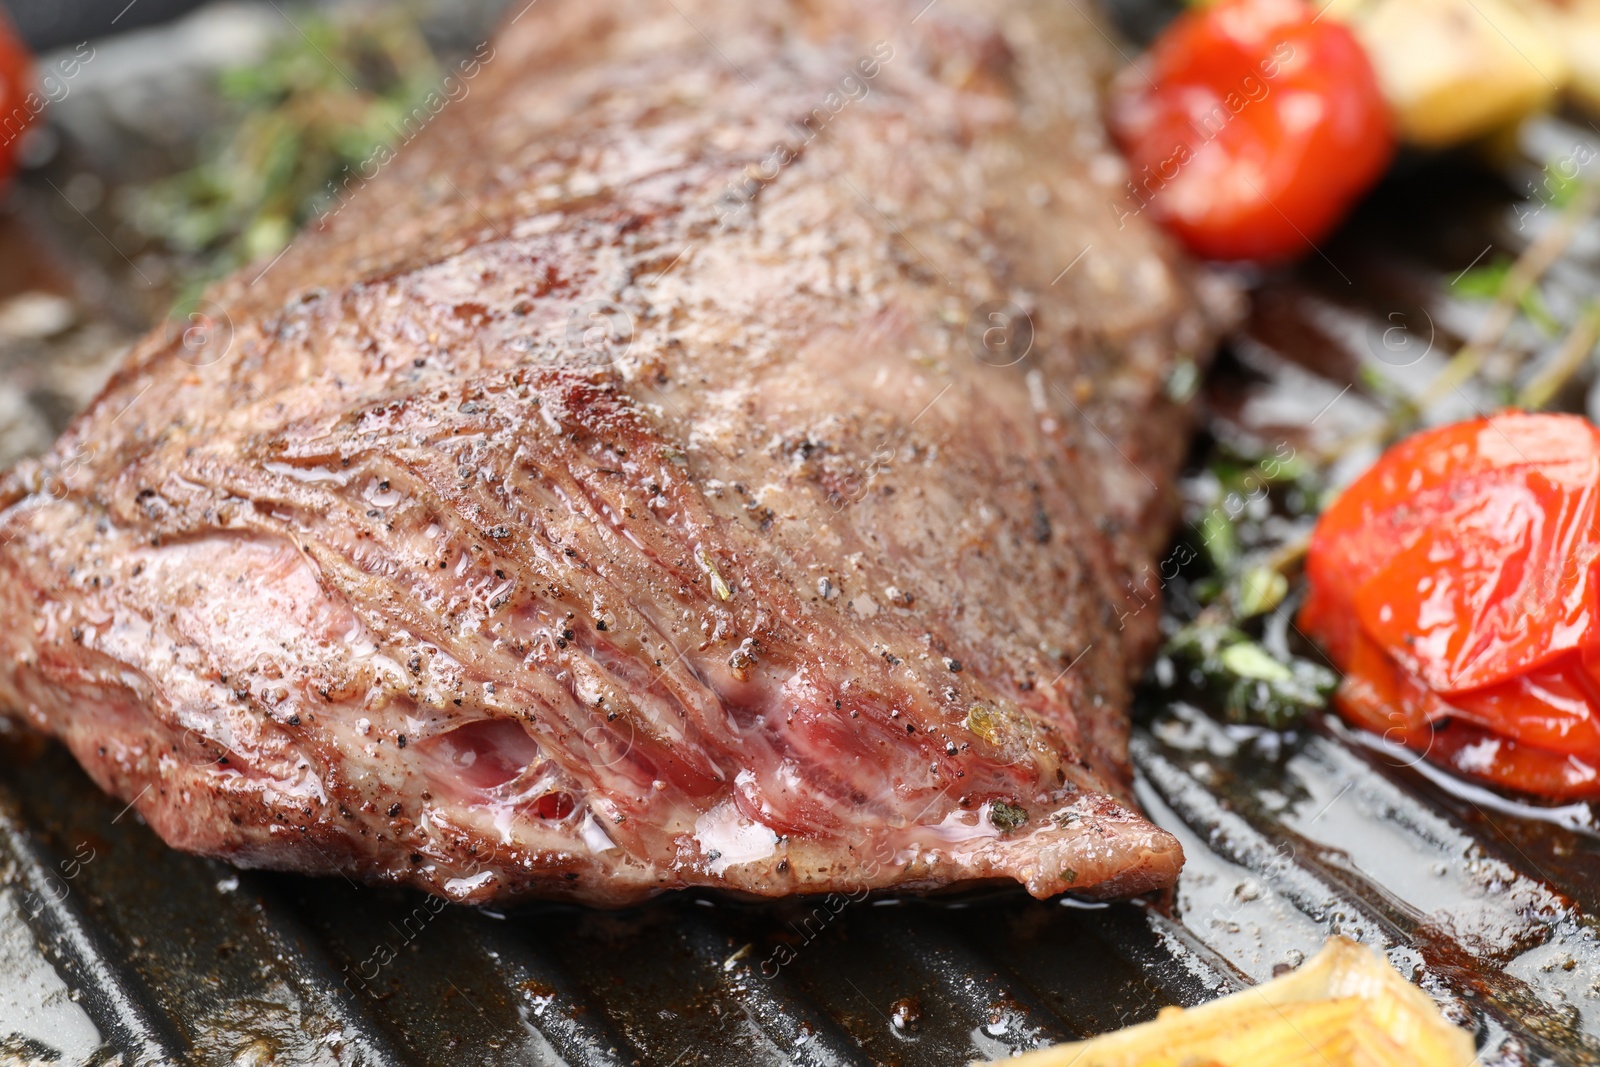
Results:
717 450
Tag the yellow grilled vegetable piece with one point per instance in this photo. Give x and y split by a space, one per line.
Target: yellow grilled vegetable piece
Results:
1453 70
1579 27
1456 70
1346 1007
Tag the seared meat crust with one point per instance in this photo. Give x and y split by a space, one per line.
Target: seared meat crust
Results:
691 462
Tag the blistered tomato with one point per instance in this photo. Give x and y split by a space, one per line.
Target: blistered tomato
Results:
1250 127
16 71
1455 584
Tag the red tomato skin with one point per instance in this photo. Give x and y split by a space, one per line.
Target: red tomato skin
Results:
1250 127
1456 584
16 75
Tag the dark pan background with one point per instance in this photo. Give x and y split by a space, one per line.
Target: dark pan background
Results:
46 24
115 949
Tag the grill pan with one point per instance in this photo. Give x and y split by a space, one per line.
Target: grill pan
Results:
114 949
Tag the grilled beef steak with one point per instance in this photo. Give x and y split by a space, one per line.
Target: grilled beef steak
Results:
727 448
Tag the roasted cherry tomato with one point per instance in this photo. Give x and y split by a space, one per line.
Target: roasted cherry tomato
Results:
1250 127
1456 585
16 75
